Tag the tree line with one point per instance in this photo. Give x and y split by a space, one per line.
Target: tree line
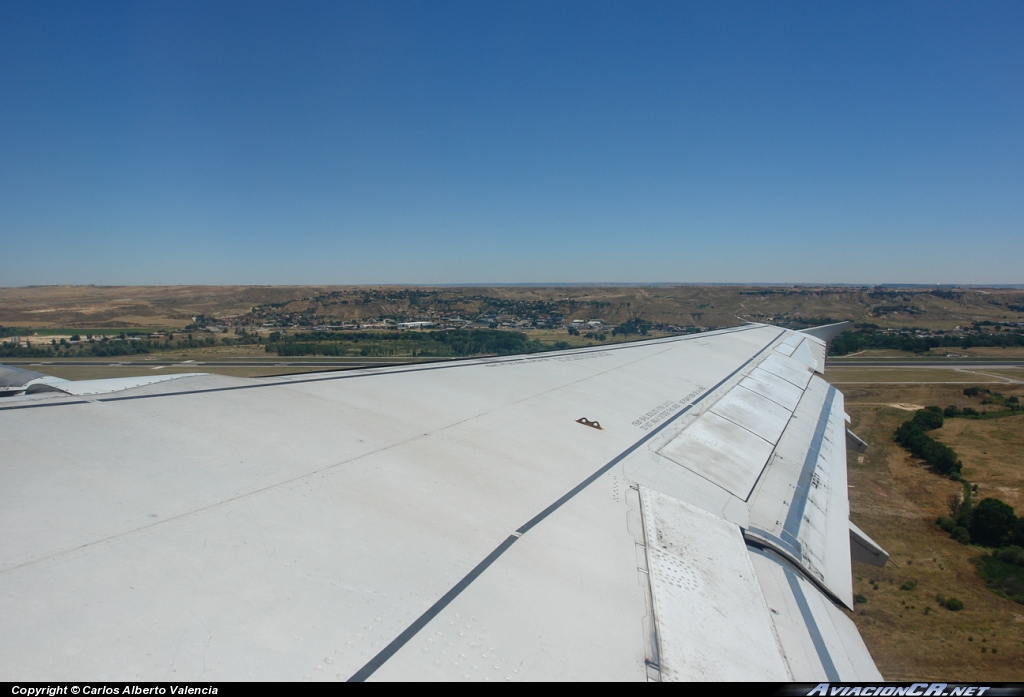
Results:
913 436
105 346
853 341
446 344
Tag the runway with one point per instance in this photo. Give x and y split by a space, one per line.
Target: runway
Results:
951 364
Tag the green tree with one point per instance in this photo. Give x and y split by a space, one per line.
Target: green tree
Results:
992 523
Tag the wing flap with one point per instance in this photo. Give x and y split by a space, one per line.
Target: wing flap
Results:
817 640
712 619
790 370
800 507
774 388
722 452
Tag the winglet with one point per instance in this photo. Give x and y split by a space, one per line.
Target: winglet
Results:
827 332
863 548
855 442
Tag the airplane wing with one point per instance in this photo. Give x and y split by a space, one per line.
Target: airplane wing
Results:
673 509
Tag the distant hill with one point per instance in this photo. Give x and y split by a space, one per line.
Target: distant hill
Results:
684 305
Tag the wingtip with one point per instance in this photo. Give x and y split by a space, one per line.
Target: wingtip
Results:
827 332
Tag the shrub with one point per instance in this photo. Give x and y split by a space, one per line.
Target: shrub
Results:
1011 555
1002 576
1017 537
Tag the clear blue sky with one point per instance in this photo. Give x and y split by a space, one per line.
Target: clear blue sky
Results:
445 142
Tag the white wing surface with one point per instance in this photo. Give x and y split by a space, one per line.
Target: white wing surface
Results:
669 509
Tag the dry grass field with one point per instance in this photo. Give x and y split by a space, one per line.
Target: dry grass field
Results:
896 500
132 306
993 455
